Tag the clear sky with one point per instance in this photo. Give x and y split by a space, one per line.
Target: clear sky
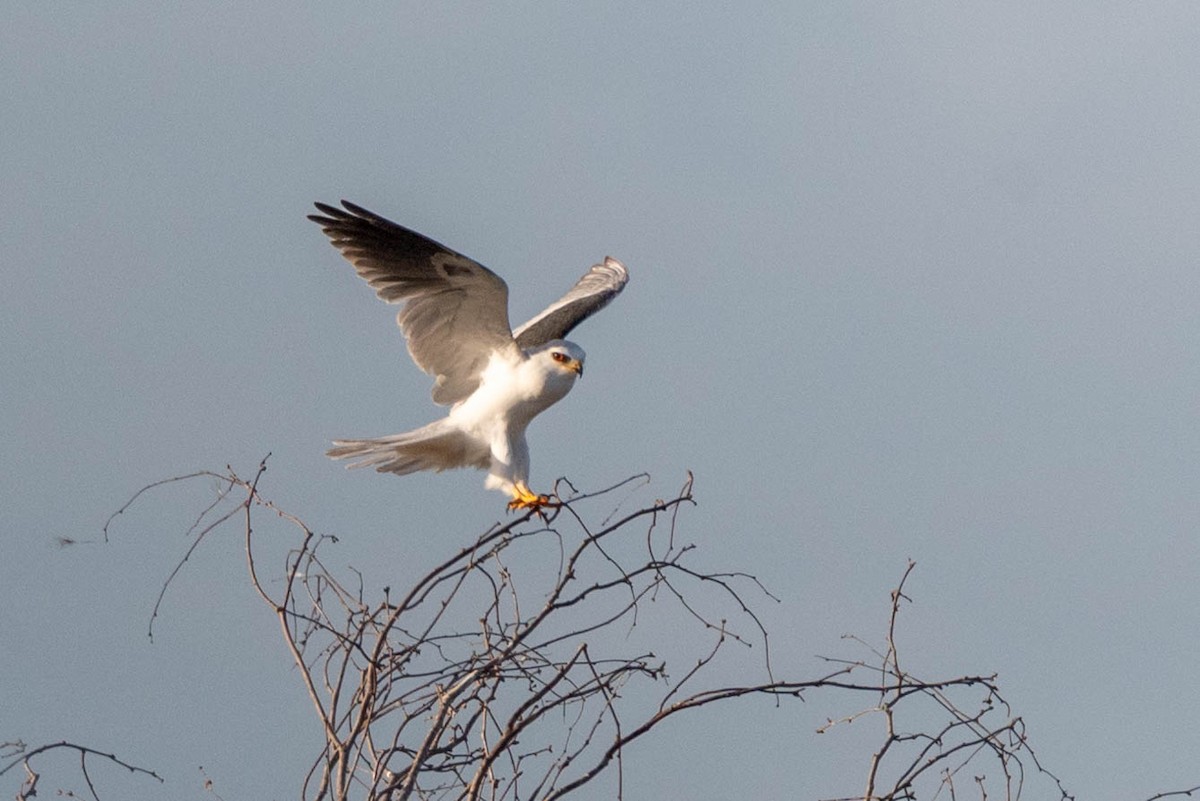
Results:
908 280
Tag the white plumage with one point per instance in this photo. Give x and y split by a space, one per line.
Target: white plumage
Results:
455 319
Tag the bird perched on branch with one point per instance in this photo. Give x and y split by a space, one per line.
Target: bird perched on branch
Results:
454 315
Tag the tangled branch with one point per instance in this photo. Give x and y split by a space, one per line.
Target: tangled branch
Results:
972 722
520 665
491 677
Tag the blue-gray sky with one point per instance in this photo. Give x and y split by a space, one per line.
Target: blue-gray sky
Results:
909 280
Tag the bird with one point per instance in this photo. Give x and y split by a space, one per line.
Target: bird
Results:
454 317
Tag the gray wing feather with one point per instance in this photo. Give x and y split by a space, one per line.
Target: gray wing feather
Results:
455 313
591 293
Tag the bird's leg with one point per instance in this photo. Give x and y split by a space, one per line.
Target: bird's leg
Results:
525 498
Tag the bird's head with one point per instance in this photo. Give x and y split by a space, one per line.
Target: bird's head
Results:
565 357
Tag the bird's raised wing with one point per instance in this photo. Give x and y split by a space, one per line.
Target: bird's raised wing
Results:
455 313
591 293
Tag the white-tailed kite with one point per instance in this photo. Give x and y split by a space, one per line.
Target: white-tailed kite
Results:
455 318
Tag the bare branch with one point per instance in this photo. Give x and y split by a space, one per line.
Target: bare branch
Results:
502 671
18 753
1168 794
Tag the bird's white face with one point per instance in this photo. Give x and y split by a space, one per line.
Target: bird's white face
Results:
566 357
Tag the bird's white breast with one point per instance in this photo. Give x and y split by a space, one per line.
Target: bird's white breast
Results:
512 391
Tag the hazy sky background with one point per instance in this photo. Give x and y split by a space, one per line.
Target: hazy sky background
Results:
908 280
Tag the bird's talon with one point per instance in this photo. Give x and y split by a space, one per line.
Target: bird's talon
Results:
524 498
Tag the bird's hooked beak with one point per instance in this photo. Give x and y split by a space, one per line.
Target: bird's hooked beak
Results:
575 366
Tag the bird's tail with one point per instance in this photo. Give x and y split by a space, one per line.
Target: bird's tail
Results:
436 446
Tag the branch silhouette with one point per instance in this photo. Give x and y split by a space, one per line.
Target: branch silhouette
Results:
512 669
16 752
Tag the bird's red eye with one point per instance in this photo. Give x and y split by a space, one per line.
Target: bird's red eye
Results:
559 357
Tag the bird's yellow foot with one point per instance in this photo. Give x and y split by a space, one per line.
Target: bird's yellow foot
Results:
524 498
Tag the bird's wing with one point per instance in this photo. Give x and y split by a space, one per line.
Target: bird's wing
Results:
591 293
455 313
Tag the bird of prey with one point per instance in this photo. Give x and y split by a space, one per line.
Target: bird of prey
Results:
454 315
